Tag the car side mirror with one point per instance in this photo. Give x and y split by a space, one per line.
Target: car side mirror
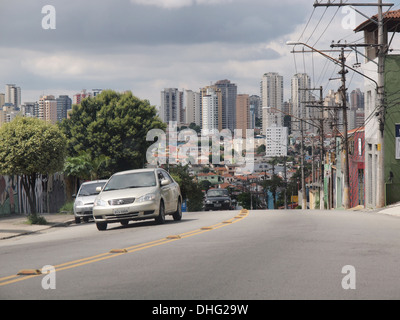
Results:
164 182
98 189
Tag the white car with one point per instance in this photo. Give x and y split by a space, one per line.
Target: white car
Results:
138 195
84 199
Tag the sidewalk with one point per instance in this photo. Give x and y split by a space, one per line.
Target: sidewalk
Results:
13 226
392 210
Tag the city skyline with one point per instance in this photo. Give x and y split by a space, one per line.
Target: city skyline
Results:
100 46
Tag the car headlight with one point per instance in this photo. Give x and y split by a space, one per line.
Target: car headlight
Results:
227 201
147 197
78 203
100 203
208 201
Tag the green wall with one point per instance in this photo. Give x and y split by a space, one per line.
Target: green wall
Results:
392 98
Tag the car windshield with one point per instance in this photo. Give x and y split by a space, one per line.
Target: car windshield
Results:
217 193
90 189
131 180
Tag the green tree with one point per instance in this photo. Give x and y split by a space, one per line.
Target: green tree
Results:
30 147
113 125
247 200
190 189
84 167
272 185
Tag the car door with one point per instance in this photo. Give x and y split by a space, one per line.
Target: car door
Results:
175 192
166 191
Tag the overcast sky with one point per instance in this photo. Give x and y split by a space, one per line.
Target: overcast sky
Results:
148 45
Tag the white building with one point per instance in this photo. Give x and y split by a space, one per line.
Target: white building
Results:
210 110
276 141
13 95
271 88
300 98
191 105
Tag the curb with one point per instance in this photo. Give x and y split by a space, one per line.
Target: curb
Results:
45 227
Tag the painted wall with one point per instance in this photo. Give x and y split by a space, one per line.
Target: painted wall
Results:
50 195
392 165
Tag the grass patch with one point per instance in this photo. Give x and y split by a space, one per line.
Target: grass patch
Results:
35 219
68 207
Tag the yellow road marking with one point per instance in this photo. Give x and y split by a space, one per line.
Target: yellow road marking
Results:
118 252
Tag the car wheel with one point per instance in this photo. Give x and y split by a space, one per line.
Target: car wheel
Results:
161 216
77 220
101 226
178 213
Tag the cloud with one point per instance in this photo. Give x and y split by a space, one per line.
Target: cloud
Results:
146 45
175 4
171 4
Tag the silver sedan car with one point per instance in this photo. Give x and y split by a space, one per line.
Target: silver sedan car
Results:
84 199
138 195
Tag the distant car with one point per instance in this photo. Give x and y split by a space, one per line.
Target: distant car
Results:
138 195
217 199
84 199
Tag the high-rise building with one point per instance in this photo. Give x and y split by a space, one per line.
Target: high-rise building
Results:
30 109
276 140
2 100
64 103
211 101
271 88
243 113
356 99
48 109
77 99
228 112
172 105
301 97
191 106
255 104
13 95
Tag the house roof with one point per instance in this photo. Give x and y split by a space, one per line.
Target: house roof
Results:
356 130
391 21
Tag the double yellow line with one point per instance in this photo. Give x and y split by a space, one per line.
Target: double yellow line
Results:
31 273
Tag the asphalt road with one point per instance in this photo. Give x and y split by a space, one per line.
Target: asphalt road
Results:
211 256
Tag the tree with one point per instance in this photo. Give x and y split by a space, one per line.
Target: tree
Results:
30 147
272 185
190 189
84 167
246 199
113 125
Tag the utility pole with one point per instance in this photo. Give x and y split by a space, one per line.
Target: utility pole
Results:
382 47
285 178
303 182
346 173
382 50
